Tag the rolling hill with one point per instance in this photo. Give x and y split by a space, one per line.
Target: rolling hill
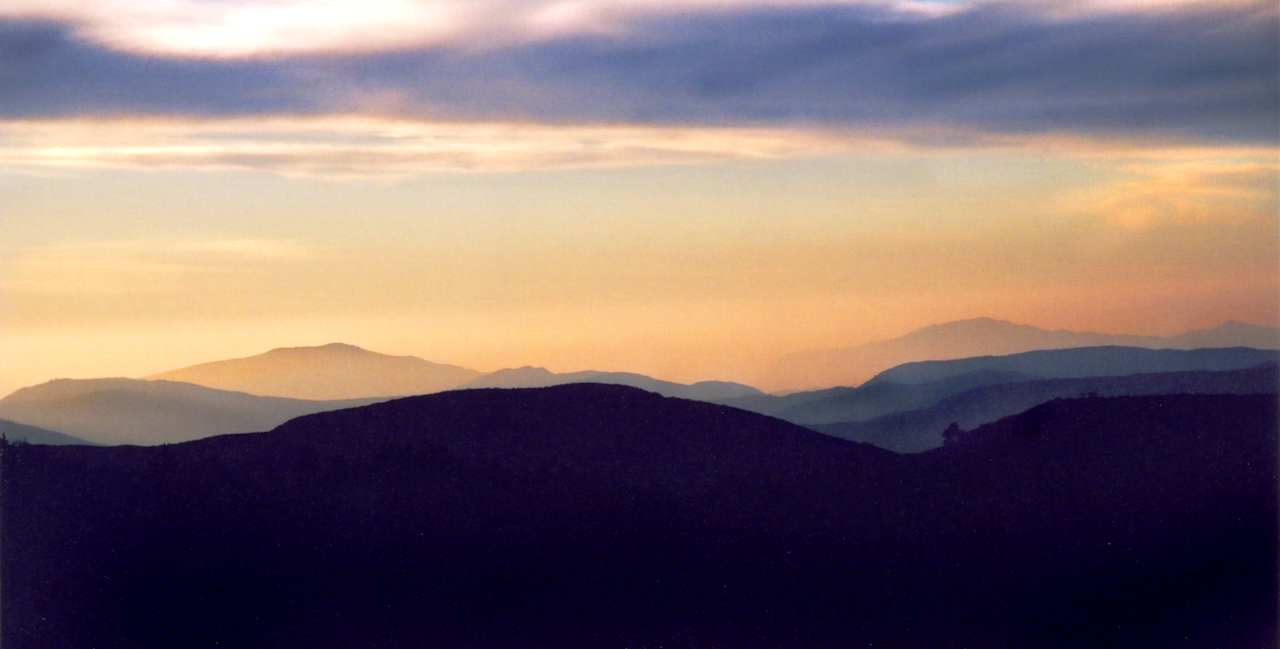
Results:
328 372
134 411
604 516
983 337
538 377
920 430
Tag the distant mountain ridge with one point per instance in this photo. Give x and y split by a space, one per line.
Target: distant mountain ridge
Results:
539 377
982 337
342 371
135 411
914 431
913 386
326 372
1081 362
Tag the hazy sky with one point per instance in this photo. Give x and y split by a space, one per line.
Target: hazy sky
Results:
685 188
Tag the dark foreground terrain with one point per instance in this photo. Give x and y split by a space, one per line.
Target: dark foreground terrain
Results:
591 516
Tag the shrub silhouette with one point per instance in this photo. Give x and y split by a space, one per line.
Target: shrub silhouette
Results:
953 434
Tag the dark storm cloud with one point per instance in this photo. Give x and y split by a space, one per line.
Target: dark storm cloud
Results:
1209 72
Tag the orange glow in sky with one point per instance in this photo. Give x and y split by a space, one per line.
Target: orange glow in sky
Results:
589 185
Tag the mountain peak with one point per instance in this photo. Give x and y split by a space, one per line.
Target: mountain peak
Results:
331 371
983 322
528 369
329 347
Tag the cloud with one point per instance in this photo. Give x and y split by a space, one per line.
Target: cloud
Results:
345 147
1198 71
1188 191
240 28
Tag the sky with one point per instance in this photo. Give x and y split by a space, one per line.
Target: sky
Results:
688 188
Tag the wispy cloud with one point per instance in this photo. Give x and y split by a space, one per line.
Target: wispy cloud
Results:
336 147
1152 194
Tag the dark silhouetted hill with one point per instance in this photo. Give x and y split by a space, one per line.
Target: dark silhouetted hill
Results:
15 432
134 411
920 430
327 372
603 516
983 337
538 377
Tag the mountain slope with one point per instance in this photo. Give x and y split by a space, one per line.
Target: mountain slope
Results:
983 337
328 372
920 430
603 516
538 377
133 411
15 432
1228 334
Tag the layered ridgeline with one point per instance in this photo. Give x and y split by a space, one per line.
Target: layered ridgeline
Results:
912 386
983 337
341 371
922 429
328 372
604 516
134 411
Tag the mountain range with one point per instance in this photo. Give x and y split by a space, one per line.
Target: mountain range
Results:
983 337
340 371
605 516
135 411
918 385
343 371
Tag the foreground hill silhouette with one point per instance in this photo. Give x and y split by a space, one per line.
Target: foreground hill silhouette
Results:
919 430
327 372
983 337
134 411
912 386
603 516
538 377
